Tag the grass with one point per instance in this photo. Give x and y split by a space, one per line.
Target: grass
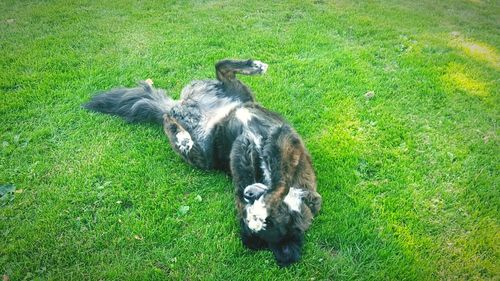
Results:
409 176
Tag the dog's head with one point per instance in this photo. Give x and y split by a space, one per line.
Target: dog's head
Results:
277 217
278 225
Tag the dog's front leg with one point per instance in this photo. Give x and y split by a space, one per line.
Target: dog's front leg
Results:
243 160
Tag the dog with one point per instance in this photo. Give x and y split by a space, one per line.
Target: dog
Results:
217 125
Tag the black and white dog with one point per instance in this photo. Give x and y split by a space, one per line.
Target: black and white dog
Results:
217 124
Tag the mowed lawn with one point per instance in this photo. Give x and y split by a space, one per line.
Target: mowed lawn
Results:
397 102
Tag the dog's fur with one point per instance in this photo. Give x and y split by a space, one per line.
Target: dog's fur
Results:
217 124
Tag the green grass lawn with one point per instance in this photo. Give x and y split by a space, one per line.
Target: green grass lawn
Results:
409 175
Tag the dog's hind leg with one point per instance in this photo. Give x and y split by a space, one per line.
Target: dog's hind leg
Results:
226 71
185 145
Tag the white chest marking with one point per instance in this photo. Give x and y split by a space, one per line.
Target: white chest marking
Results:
294 198
256 215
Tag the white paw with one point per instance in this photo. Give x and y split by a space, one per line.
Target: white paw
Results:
260 65
184 141
253 192
256 215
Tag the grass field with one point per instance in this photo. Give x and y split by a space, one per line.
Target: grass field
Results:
409 173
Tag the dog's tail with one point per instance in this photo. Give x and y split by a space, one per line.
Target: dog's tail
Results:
141 104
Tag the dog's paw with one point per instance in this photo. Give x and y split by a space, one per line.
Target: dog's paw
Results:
259 66
184 141
254 192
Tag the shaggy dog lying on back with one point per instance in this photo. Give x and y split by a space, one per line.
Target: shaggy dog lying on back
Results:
217 124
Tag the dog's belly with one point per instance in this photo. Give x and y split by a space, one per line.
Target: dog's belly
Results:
206 102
